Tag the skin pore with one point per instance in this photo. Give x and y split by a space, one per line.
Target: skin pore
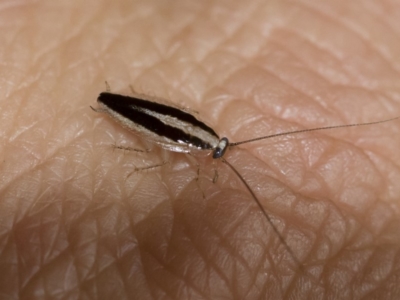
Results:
75 225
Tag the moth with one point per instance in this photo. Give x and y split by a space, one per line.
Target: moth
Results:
177 130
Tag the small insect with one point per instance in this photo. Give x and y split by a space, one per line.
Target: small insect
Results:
177 130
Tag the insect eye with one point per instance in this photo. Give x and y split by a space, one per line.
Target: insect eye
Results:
221 148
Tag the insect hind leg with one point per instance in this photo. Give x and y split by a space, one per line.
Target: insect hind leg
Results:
137 150
130 149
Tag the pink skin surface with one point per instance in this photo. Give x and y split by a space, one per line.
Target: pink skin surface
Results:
75 225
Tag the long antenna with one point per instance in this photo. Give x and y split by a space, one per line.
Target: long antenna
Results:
266 215
312 129
288 249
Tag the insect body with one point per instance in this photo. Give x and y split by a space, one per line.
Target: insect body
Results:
177 130
169 127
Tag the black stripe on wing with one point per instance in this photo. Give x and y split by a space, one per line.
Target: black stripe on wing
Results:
129 107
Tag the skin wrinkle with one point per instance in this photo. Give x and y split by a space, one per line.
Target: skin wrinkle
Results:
296 89
376 169
363 31
332 53
212 264
233 251
39 164
305 63
229 234
175 274
187 70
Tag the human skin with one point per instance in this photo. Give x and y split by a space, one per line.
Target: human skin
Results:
77 223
